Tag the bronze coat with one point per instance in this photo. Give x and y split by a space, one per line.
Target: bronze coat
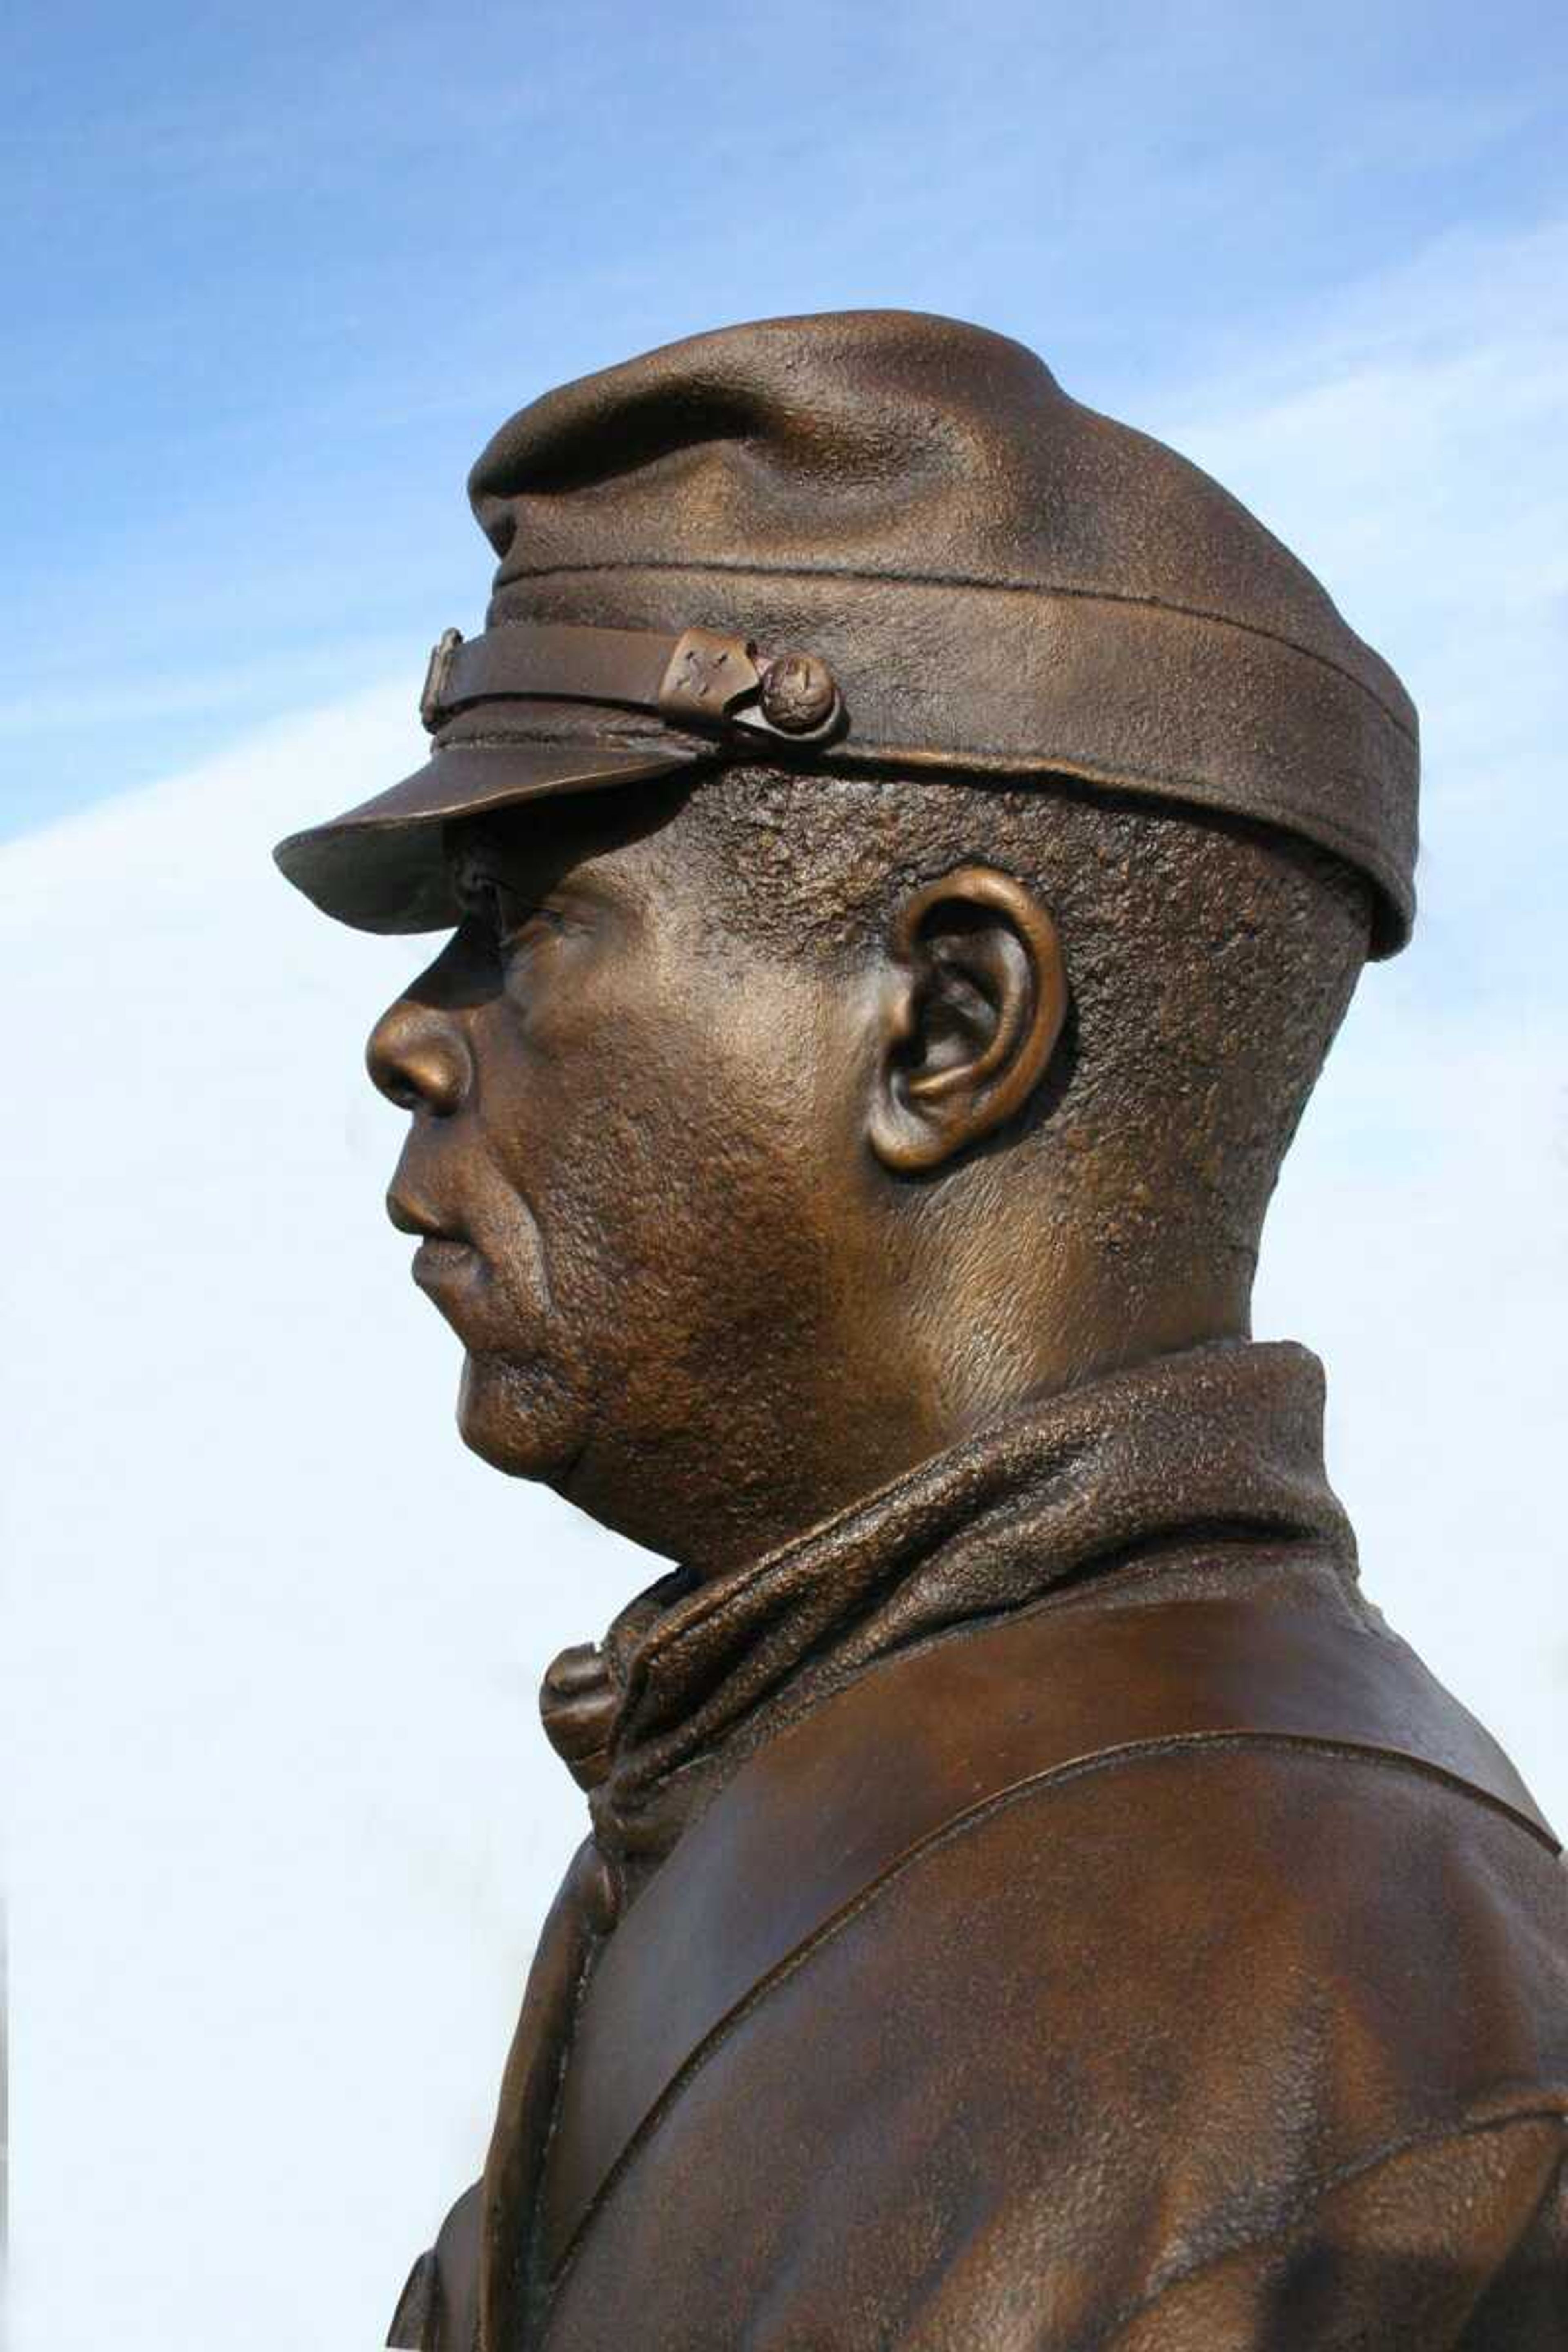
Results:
1044 1908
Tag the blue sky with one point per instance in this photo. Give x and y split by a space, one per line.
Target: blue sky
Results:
276 274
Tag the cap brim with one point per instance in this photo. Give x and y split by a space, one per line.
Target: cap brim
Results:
381 867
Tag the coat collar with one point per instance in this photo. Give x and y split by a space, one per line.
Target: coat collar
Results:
1214 1447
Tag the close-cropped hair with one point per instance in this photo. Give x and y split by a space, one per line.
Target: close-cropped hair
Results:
1210 959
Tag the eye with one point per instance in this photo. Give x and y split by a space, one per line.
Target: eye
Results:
506 919
518 925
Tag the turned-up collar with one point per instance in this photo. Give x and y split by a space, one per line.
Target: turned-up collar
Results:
1195 1454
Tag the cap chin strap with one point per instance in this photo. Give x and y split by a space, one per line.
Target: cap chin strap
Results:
700 679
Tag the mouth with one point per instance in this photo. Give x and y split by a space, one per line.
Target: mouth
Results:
449 1272
445 1254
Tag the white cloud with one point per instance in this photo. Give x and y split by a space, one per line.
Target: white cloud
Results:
1419 1242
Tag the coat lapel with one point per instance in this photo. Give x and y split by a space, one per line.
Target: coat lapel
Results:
578 1918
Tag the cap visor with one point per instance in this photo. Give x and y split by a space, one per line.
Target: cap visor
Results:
381 867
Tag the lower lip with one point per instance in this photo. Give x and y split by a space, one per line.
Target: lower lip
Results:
438 1261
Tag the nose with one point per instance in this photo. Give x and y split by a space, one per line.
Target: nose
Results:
420 1059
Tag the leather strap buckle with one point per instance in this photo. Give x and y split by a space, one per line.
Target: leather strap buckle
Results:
714 680
709 678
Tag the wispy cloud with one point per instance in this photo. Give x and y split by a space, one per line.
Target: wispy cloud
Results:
308 675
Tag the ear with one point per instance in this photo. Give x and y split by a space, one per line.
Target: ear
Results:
974 1003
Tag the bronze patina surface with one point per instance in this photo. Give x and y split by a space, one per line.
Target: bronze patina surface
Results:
909 842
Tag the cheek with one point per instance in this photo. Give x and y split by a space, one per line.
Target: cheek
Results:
703 1197
671 1156
568 1175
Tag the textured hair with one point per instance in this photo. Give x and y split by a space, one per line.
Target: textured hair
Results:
1210 960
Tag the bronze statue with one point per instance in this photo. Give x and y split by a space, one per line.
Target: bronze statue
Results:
909 842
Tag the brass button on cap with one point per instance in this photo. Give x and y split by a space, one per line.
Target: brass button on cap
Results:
798 693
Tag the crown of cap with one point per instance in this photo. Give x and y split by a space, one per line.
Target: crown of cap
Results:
993 578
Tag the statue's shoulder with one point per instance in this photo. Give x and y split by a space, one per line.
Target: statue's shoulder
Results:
1083 2012
1290 1893
1127 1727
1142 1811
1167 1850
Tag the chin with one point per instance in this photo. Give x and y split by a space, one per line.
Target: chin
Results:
522 1419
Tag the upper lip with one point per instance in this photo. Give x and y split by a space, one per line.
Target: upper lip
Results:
412 1216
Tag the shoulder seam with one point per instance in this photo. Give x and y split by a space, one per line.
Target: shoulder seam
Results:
1198 1743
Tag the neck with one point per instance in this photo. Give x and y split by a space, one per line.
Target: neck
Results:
936 1365
985 1304
1065 1318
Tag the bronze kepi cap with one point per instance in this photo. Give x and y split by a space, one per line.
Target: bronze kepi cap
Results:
877 539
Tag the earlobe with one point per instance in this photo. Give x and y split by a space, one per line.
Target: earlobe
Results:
975 1005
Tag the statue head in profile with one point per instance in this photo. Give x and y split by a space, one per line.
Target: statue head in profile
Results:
908 843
